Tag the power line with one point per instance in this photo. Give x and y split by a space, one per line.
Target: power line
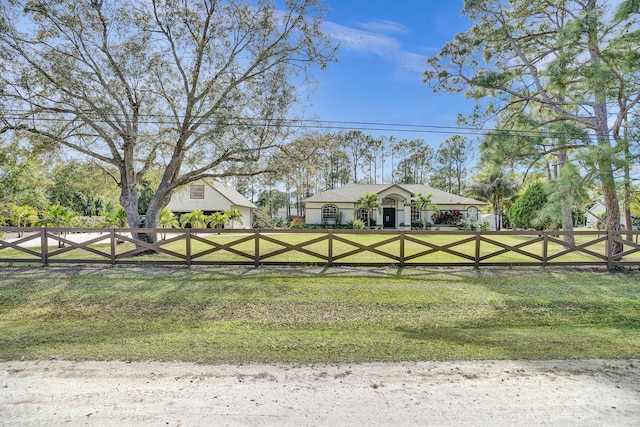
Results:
156 119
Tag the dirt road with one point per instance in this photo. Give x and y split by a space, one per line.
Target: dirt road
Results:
496 393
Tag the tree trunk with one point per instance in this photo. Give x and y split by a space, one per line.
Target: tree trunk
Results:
567 216
157 203
607 180
129 201
601 127
627 186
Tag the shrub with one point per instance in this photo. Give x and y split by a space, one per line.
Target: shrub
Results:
447 217
548 218
116 218
261 219
472 224
88 221
298 223
421 225
467 224
523 212
357 224
338 217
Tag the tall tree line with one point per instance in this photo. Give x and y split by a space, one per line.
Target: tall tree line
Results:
568 68
320 162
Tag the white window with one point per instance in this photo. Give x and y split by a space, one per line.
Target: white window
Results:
196 192
362 214
472 212
415 212
328 213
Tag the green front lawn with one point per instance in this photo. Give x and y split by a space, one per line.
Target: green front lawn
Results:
293 315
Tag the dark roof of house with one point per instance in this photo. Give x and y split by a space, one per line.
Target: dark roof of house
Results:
353 192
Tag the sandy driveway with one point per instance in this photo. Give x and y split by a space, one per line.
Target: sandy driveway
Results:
507 393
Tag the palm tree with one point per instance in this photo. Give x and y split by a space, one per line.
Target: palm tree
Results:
23 216
233 215
116 218
218 218
167 219
424 204
57 216
195 219
496 190
369 202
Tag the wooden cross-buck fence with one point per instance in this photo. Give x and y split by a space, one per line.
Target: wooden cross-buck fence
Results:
321 247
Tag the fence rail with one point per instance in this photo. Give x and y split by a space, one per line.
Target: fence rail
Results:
324 247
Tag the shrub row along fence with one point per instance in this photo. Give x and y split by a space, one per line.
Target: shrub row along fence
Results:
323 247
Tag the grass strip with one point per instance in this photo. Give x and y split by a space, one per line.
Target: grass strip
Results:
227 314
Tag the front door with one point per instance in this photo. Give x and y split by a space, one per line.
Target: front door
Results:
389 217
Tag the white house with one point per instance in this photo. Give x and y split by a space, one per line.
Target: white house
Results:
212 196
489 219
398 205
591 217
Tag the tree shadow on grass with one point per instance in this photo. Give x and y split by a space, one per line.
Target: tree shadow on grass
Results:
535 342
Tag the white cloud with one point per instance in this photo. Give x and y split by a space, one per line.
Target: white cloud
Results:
361 41
412 61
373 38
383 26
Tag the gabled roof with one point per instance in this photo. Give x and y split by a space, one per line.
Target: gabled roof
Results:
440 197
351 193
230 194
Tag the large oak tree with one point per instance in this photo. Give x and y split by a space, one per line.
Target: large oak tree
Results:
199 88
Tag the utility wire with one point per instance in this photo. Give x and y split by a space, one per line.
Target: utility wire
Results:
157 119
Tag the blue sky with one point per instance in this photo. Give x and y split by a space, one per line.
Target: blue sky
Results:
382 55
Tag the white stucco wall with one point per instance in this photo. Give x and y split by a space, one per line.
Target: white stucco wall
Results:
403 212
313 212
247 218
212 201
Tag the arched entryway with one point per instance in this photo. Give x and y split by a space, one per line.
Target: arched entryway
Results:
389 212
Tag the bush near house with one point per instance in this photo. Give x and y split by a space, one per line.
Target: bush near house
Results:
421 225
447 217
524 211
298 223
473 224
357 224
